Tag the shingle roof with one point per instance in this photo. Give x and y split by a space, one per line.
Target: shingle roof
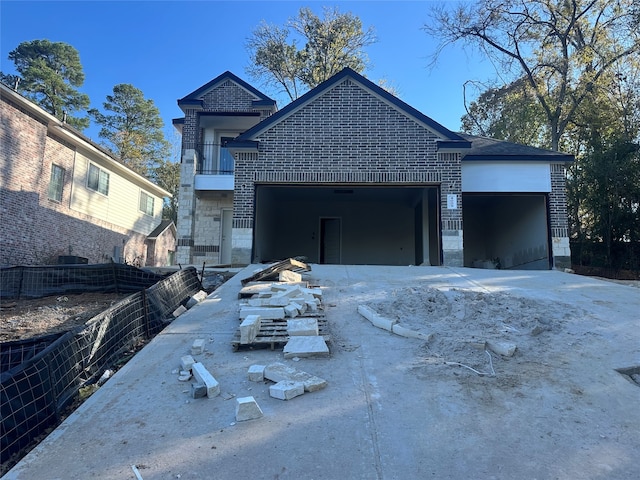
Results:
196 94
485 149
164 224
337 78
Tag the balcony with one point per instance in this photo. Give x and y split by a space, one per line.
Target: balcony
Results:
214 170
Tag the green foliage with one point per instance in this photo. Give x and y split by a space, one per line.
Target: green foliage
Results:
133 129
331 43
604 188
167 176
50 74
508 113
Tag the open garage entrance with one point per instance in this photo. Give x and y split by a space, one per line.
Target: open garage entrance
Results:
508 231
354 225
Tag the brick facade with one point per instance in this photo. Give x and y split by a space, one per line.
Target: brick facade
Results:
36 229
347 132
348 136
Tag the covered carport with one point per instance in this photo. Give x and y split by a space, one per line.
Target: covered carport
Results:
348 224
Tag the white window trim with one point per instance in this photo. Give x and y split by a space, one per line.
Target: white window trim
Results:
100 169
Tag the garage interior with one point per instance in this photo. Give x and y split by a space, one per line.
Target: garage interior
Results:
507 231
351 225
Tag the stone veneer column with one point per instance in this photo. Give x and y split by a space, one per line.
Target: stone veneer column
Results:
186 206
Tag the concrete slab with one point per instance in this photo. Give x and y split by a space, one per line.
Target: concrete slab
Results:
305 346
302 327
559 410
286 390
277 372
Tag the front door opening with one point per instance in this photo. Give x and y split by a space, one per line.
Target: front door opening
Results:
330 233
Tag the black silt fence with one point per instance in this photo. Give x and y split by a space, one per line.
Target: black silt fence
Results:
41 377
43 281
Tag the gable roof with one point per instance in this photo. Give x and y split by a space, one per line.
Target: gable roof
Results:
194 98
452 139
164 224
490 149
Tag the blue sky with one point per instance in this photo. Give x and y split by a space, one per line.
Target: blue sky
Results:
167 49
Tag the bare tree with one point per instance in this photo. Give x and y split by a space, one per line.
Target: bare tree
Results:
562 48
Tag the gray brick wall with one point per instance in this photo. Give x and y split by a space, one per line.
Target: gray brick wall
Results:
558 202
346 136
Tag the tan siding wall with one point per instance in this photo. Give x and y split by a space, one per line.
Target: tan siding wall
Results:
120 207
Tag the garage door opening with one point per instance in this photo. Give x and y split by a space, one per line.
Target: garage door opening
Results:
354 225
507 231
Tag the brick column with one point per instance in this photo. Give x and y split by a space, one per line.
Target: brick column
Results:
558 218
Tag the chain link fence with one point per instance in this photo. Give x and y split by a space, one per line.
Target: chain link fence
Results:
40 377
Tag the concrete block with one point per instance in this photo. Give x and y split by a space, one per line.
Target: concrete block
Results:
198 346
179 311
284 286
291 310
290 291
266 313
249 329
286 390
300 304
311 306
268 302
277 372
186 362
247 409
316 292
302 326
289 276
198 390
398 329
377 320
256 373
203 376
196 298
502 348
306 346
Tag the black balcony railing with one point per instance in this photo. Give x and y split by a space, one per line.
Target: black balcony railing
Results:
214 159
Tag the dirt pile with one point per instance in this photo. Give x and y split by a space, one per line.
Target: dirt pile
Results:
461 321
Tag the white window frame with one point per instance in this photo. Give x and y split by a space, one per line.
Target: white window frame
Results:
102 175
146 210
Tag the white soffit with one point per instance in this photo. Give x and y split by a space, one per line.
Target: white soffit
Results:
505 177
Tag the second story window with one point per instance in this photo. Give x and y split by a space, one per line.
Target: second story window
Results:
98 179
146 203
56 182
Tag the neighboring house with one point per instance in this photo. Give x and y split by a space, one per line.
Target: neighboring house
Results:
350 174
62 195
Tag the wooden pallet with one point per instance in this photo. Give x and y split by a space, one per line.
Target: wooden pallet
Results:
273 333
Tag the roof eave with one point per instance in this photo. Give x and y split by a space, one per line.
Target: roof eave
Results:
243 146
559 158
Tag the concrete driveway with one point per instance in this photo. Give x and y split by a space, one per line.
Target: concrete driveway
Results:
392 409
